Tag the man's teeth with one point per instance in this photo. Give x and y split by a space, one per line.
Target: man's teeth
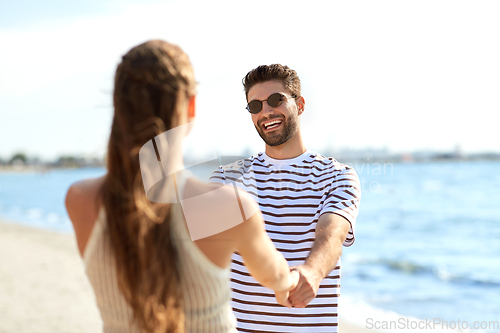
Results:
272 123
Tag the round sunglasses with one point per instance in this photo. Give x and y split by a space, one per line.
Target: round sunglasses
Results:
274 100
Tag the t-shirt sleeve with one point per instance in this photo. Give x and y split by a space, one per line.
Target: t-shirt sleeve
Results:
343 199
218 176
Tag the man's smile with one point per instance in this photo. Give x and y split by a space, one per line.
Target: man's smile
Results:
271 124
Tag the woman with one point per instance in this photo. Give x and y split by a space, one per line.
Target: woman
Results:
146 273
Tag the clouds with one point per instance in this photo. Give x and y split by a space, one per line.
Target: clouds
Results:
404 74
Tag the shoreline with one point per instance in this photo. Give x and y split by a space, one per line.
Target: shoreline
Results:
41 168
44 287
32 169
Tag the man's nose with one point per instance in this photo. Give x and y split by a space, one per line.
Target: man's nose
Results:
266 109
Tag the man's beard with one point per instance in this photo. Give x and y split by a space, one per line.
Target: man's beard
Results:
273 138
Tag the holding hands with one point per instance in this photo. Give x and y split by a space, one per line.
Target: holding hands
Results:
282 296
305 287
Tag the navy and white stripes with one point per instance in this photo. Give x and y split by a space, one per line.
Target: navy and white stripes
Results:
292 195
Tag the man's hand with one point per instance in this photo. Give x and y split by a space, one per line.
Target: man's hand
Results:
307 288
331 231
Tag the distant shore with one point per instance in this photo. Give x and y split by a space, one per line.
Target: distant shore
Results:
43 286
37 168
29 168
43 168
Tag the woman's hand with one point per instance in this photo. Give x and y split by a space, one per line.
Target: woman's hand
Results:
282 296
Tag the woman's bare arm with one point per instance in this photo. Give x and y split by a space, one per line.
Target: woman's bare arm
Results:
265 263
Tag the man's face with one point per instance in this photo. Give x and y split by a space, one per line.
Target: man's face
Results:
275 125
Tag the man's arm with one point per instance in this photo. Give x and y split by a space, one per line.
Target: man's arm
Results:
331 232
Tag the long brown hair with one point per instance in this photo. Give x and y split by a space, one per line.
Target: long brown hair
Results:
153 84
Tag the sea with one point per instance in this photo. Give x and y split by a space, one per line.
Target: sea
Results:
427 238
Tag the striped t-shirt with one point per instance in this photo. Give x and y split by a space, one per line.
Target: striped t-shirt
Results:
292 195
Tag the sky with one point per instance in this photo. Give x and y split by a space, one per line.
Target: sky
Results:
398 75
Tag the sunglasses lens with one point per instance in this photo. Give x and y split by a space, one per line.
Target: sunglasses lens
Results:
275 100
254 106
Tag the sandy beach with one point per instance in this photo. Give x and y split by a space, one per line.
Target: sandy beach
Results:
43 286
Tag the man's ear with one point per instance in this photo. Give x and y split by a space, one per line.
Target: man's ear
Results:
192 107
301 104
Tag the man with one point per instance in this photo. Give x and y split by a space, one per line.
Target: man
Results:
309 204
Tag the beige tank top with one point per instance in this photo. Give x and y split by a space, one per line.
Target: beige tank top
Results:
205 286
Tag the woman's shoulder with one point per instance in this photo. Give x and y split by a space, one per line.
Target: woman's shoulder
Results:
196 187
222 206
82 205
83 192
219 217
220 194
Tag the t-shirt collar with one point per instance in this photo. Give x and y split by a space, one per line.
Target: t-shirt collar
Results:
295 160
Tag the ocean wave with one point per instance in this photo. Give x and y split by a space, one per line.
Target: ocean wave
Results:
441 272
36 217
444 274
